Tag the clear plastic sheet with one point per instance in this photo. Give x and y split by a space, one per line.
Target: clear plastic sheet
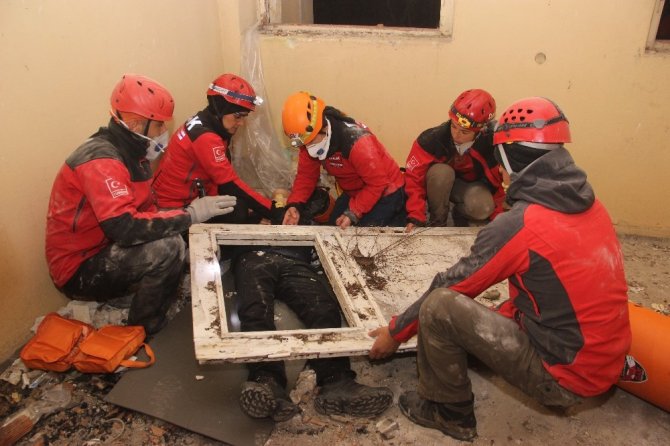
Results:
259 157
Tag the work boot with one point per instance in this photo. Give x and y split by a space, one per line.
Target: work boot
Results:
266 398
454 419
347 397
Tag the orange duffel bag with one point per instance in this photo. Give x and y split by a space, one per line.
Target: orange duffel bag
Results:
61 343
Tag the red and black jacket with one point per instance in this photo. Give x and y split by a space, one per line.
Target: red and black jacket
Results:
362 167
102 195
436 145
199 152
558 249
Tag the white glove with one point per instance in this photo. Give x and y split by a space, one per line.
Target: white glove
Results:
204 208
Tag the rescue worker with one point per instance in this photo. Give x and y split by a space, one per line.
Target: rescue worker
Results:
563 334
105 237
371 181
198 160
263 273
454 162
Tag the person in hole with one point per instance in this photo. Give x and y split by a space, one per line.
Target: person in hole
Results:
454 163
564 333
263 274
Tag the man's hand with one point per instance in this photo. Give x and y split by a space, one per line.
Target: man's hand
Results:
410 227
291 217
343 221
203 208
384 345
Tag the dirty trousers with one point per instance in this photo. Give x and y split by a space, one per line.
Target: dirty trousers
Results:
150 272
452 325
262 276
472 200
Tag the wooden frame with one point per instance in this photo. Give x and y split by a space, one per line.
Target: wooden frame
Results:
366 298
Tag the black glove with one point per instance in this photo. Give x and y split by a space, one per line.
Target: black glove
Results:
277 214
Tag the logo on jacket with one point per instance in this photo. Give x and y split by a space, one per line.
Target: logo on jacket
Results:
116 188
412 163
219 153
632 371
193 122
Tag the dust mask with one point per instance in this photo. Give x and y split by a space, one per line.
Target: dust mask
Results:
157 145
462 148
320 149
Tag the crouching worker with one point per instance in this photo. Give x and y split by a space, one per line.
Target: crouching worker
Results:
105 237
563 334
263 274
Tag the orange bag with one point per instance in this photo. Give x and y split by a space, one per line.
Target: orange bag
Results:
110 347
61 343
54 345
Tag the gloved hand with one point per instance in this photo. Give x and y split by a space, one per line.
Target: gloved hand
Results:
277 214
204 208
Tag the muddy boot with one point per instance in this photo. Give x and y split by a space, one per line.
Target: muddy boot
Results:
454 419
266 398
347 397
460 220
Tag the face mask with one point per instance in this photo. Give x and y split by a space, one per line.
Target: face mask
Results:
320 150
157 145
462 148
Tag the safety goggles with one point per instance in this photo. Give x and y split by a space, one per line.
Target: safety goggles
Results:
466 122
536 124
256 100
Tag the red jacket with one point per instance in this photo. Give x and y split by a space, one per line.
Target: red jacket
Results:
568 292
100 196
436 145
362 167
200 149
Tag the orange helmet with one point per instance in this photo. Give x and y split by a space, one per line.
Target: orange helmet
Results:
536 120
302 117
142 96
235 90
473 109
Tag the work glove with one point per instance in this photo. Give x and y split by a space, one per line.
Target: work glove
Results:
277 214
204 208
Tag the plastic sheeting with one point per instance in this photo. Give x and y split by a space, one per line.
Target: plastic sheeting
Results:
259 157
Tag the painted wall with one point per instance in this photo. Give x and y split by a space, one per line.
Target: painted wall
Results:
616 96
59 61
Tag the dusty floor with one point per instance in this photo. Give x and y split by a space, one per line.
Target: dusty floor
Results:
505 415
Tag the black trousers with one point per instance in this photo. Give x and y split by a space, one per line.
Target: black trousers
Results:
263 275
150 272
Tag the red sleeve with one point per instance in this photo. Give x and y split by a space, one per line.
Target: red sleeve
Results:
418 162
209 150
306 178
365 158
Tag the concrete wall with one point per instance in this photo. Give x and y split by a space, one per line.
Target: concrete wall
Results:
59 61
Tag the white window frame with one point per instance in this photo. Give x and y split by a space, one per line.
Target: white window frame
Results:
215 343
269 12
654 45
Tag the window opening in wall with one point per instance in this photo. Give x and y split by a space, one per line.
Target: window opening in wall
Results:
394 13
659 30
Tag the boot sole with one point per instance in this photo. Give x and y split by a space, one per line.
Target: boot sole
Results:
459 433
257 400
360 407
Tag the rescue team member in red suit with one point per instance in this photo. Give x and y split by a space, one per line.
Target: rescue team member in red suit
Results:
105 237
197 161
372 182
563 334
454 162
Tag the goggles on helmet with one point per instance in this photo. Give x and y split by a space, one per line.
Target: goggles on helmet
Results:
256 100
538 123
465 122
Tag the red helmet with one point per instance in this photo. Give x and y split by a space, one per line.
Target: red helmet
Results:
235 90
142 96
473 109
532 120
